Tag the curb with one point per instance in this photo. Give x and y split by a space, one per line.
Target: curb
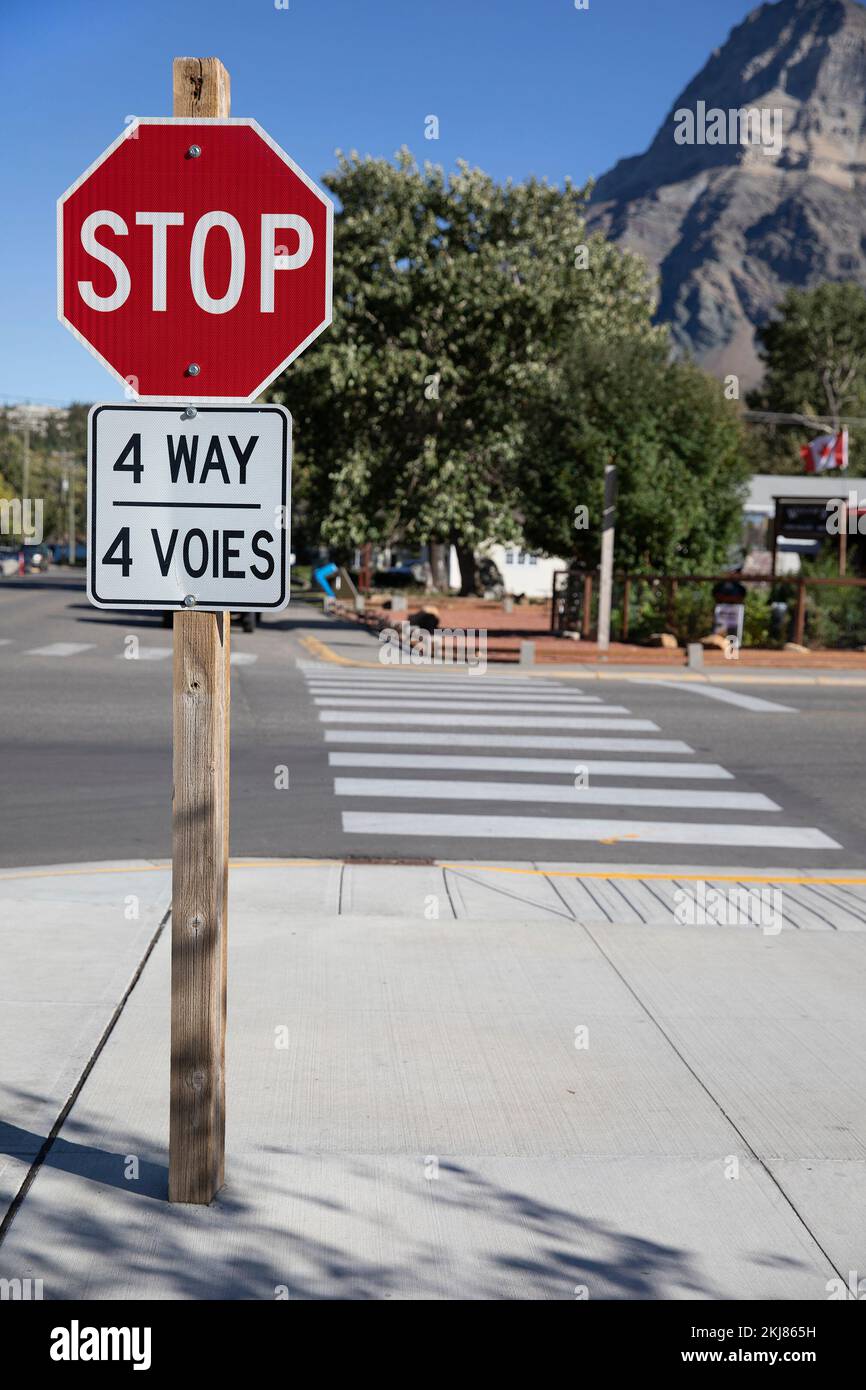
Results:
841 877
757 676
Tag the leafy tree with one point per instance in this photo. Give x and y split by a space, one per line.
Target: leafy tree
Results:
677 444
814 356
454 298
56 445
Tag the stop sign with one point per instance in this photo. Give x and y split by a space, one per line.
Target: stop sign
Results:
194 259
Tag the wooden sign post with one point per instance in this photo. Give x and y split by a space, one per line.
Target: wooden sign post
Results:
200 833
200 337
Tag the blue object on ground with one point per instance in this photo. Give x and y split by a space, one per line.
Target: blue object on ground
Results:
321 576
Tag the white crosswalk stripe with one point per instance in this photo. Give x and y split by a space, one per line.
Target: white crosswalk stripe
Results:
592 744
478 697
464 686
445 702
390 677
483 721
580 796
147 654
579 828
391 725
60 649
731 697
595 767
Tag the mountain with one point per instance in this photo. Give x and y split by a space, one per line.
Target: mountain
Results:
731 222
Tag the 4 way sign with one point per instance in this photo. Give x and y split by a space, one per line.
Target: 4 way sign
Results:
188 507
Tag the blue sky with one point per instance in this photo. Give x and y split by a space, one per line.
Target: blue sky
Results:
519 86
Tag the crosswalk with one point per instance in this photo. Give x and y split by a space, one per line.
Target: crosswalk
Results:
64 650
61 649
395 744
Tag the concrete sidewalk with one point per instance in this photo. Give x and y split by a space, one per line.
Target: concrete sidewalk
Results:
485 1091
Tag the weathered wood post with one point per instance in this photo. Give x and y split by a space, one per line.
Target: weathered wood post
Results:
800 618
200 833
586 623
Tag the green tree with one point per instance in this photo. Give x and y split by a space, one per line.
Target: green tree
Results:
56 446
814 355
677 444
453 301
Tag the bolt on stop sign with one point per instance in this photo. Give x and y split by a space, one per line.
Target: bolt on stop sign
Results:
194 259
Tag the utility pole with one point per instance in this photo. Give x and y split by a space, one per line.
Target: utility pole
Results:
71 500
25 475
606 577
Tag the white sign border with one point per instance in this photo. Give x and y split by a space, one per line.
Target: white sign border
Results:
129 134
138 605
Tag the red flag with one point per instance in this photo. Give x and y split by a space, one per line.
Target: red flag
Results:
826 452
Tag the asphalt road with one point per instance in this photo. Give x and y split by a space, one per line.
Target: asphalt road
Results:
672 776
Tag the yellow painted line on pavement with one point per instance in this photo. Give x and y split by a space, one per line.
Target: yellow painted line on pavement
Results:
709 875
623 874
324 653
73 873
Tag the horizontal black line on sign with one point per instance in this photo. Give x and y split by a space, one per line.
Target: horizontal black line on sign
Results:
199 506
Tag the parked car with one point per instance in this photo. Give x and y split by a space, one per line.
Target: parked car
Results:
60 553
8 561
37 558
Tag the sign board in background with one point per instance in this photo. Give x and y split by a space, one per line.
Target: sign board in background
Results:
188 507
802 520
728 619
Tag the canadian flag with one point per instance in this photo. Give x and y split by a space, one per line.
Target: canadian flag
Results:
826 452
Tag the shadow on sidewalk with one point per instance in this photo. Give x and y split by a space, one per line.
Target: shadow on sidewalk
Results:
85 1160
315 1227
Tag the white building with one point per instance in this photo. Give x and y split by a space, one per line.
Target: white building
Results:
523 572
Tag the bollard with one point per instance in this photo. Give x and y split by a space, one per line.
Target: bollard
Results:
695 656
527 654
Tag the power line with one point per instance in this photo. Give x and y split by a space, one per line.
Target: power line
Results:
817 422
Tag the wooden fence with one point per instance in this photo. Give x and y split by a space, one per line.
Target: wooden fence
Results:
567 584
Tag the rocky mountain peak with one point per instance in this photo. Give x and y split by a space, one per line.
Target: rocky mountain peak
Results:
755 181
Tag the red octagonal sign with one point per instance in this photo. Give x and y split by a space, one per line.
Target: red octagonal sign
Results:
194 259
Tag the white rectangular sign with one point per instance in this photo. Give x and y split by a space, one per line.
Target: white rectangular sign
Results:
188 507
728 619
